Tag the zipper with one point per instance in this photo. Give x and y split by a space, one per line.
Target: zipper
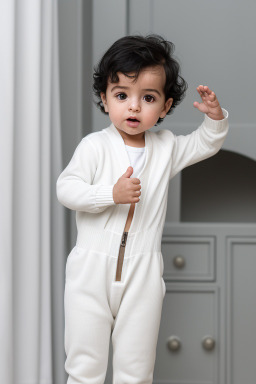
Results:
121 256
125 234
122 248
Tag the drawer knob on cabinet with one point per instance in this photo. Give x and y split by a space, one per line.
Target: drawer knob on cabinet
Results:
179 262
208 343
174 343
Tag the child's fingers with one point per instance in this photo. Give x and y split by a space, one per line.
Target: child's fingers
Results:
204 90
200 89
201 93
207 90
201 107
213 104
212 97
212 100
208 96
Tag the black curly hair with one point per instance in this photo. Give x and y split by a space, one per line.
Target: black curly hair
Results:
131 54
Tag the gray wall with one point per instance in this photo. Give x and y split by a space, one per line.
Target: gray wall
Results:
70 37
75 50
75 35
109 24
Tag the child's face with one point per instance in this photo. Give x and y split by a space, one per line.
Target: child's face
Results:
134 107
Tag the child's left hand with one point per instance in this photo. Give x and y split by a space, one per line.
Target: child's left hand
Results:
210 104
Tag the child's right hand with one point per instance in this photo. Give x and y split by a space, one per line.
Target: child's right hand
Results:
126 190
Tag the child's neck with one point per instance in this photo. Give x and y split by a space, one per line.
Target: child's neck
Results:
133 140
135 143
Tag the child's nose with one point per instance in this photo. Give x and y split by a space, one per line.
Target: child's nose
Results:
134 106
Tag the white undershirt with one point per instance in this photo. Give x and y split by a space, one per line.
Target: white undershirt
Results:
137 158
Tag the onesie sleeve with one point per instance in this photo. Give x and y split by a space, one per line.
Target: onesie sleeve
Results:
74 185
204 142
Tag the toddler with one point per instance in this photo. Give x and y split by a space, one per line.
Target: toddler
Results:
117 182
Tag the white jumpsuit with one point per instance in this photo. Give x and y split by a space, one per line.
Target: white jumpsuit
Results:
97 304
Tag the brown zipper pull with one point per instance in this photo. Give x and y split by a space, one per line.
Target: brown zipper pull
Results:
124 238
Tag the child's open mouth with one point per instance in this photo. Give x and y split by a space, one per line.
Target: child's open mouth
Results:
132 122
132 119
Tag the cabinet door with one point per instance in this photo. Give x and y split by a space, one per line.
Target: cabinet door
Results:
190 316
241 310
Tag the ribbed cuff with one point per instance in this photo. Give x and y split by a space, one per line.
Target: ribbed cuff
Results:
104 195
217 125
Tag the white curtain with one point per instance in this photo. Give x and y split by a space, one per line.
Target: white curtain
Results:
32 249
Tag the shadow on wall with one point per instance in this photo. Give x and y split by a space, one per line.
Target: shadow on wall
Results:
219 189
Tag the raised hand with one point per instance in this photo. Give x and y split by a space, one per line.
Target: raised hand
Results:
209 104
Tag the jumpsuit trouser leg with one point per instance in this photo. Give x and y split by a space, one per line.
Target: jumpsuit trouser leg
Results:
136 326
88 318
96 306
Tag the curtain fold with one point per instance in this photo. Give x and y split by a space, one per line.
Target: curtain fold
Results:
59 220
7 21
32 247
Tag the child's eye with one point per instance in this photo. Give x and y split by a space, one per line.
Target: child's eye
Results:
149 98
121 96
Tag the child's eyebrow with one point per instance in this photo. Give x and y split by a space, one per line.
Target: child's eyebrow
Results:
119 86
152 90
144 90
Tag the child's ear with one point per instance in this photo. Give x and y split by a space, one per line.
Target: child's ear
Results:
166 108
104 101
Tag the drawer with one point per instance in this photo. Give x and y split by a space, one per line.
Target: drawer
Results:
188 258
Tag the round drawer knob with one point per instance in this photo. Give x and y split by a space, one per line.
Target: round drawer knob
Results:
174 343
208 343
179 262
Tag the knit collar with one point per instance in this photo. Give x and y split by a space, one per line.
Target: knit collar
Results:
123 156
